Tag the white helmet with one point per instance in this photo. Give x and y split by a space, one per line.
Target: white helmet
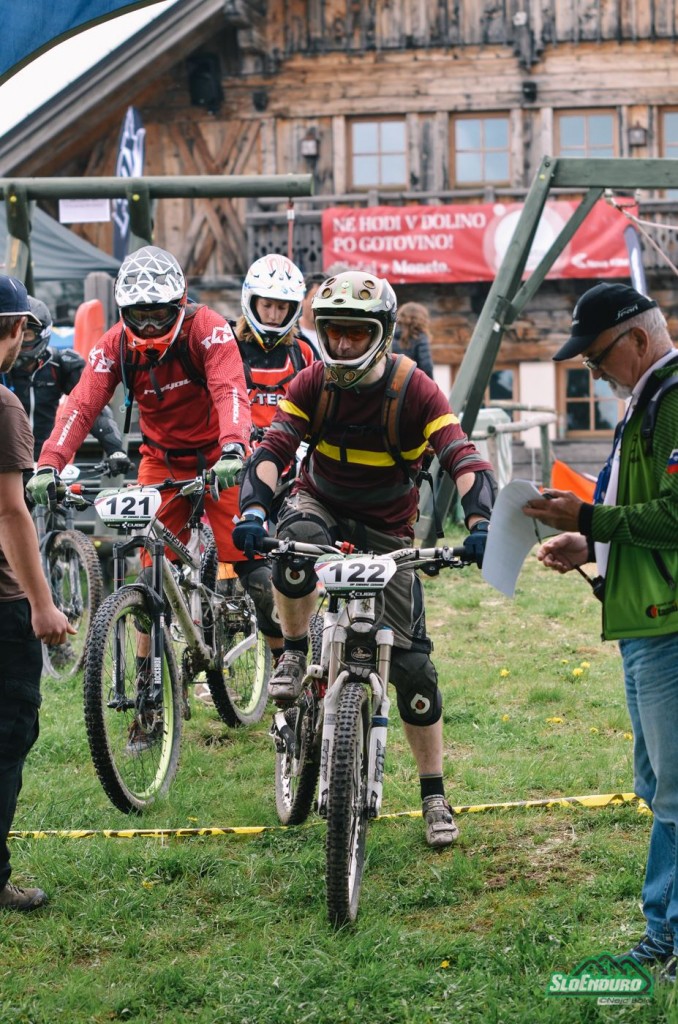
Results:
272 277
150 291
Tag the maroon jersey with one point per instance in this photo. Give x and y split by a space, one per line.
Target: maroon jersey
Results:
351 470
176 411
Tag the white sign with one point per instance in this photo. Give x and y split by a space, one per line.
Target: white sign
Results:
84 211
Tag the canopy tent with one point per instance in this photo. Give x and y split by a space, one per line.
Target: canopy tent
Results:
57 253
31 28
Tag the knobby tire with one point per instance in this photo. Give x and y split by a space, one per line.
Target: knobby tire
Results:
77 586
133 779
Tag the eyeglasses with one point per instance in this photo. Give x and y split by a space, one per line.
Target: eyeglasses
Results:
158 316
354 332
595 362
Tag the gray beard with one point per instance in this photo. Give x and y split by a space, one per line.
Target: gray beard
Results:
621 391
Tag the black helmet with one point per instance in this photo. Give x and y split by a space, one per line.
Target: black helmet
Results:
36 339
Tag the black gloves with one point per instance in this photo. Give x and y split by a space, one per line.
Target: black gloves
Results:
476 541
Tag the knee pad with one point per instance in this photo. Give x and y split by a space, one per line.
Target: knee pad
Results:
415 679
256 580
294 576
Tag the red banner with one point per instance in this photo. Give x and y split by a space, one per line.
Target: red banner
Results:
463 243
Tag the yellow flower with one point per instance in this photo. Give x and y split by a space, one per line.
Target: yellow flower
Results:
593 730
148 884
505 672
585 664
564 661
554 721
628 735
445 963
506 718
577 671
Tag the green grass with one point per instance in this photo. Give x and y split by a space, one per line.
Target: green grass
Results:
234 929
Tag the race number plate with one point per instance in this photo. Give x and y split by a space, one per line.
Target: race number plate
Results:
133 506
363 573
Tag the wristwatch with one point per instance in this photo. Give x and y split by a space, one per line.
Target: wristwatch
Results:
233 449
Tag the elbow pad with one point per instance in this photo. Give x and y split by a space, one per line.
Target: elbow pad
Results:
478 501
253 490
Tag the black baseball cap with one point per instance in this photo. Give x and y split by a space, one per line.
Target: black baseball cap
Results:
600 308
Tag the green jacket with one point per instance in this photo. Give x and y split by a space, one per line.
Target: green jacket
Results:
641 583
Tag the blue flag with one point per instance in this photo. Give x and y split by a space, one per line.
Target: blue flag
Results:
129 164
28 29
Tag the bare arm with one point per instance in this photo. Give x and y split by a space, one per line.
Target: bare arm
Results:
19 543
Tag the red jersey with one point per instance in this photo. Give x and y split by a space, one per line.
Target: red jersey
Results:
268 374
178 411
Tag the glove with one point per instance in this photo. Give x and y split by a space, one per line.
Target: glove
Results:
475 543
229 467
118 462
249 532
42 487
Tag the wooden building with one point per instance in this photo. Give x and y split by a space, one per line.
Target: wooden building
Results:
386 102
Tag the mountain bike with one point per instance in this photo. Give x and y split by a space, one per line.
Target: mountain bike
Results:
150 639
73 571
335 732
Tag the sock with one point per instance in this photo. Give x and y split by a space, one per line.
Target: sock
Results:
431 785
297 643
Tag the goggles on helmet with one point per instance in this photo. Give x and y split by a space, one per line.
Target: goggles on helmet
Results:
154 317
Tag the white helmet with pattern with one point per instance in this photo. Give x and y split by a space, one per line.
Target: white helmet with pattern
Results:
272 277
150 291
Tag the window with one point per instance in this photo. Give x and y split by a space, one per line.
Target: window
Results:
378 154
669 143
586 134
590 407
481 151
501 387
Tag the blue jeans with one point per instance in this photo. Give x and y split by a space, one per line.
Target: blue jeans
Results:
651 678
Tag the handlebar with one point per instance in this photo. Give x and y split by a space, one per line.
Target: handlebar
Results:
417 557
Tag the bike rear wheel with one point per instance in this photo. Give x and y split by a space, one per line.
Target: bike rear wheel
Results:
133 721
77 585
239 688
346 809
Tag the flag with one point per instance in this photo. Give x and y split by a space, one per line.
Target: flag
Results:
672 464
30 28
637 271
129 164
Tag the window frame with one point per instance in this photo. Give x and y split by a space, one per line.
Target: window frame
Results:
586 113
562 403
483 118
381 186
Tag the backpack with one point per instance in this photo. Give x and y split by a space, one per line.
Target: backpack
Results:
178 350
398 377
653 395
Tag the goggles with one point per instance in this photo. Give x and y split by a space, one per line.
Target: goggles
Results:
30 336
158 317
338 329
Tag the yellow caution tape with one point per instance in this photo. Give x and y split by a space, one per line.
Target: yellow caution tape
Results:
592 800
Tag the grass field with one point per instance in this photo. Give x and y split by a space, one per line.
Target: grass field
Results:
234 929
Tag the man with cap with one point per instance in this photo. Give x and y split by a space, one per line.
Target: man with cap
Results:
631 529
28 612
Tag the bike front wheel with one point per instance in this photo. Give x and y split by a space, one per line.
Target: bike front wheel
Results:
133 718
239 688
77 586
346 805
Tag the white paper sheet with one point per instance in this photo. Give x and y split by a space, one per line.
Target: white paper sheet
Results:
512 536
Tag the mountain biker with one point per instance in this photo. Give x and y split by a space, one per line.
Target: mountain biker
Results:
354 488
42 375
272 353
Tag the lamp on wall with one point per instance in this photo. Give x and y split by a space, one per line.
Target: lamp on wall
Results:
529 91
309 146
637 135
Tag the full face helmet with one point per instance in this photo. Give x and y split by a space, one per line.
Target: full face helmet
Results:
150 291
35 339
272 277
356 300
